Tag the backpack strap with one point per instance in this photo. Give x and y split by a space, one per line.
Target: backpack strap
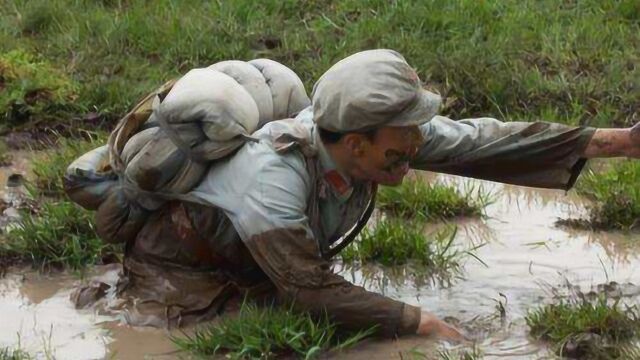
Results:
173 135
130 124
357 228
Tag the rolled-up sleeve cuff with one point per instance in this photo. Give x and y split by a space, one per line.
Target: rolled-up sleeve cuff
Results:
410 320
577 167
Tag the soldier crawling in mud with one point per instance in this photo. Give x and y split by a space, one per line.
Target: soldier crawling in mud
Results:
276 201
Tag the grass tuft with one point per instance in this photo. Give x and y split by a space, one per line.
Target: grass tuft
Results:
33 90
416 198
615 194
39 18
60 234
585 328
49 167
10 354
53 231
396 241
269 333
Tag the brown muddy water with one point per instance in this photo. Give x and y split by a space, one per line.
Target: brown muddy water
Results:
524 254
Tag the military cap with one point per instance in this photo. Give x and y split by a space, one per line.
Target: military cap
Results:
371 89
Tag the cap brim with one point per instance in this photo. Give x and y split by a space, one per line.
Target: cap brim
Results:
425 107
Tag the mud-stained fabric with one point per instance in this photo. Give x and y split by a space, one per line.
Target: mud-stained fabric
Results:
267 212
537 154
164 282
270 210
291 261
146 294
162 295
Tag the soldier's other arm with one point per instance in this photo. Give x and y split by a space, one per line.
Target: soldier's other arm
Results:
538 154
275 229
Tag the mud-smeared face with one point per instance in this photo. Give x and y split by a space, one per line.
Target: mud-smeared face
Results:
385 157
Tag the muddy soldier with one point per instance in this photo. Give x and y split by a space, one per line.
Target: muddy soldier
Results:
270 217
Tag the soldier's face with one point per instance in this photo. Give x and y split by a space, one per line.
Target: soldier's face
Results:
385 158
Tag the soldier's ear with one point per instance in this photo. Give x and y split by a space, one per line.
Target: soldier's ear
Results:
356 144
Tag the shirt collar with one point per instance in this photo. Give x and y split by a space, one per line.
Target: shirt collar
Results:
338 181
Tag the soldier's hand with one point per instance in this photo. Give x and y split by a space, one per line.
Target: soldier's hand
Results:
430 325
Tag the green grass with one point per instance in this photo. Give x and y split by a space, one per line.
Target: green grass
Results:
472 354
32 91
9 354
569 61
396 241
420 198
587 329
615 195
60 234
50 166
269 333
53 231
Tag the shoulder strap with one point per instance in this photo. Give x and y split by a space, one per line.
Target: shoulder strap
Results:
357 228
130 124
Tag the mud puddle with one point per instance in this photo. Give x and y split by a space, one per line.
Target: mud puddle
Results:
46 325
37 316
525 254
524 251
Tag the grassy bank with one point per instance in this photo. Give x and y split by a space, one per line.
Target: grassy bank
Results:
269 333
615 196
582 328
573 62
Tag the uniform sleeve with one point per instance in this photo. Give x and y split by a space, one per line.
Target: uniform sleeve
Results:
275 229
537 154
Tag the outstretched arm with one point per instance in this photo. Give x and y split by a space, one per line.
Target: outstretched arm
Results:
537 154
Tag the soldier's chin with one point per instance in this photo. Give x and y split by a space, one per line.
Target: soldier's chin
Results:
390 179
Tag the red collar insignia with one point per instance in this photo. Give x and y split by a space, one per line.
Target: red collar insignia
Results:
339 184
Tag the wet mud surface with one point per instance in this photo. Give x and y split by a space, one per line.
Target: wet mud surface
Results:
525 254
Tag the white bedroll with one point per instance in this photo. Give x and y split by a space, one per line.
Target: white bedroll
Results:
164 146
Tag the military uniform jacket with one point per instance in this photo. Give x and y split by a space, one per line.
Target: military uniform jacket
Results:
277 204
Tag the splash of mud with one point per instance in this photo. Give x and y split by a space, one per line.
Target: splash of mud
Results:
525 252
46 325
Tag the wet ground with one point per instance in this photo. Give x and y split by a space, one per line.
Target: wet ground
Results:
524 253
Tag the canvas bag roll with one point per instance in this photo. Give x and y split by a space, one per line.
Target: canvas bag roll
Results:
164 146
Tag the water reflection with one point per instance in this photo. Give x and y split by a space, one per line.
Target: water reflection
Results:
525 253
51 328
620 247
385 280
526 256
